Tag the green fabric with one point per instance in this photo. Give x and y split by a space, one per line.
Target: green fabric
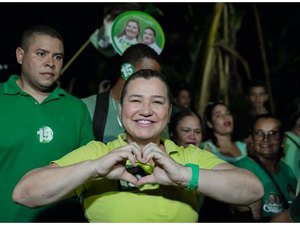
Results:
284 178
241 146
292 153
90 103
113 125
101 42
32 135
295 209
104 202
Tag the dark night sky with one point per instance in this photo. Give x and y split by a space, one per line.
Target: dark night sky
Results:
77 21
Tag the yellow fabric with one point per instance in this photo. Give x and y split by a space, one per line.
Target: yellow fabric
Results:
104 202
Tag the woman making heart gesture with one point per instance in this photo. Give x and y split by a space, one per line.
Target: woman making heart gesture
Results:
140 177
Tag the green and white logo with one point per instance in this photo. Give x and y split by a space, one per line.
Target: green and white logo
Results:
133 27
45 134
127 70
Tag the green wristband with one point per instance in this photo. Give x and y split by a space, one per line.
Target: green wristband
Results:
193 184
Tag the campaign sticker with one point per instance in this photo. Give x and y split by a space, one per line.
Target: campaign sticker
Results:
127 70
133 27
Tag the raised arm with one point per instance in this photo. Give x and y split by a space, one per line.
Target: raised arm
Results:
49 184
224 182
228 183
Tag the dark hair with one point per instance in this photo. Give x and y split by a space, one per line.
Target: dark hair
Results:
257 83
136 53
130 20
177 117
182 87
281 130
150 28
262 84
210 107
146 74
208 118
267 116
38 30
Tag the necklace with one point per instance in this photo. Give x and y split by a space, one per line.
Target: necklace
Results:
116 105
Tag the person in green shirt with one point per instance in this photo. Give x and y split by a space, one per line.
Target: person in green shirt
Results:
140 176
39 122
276 176
292 137
292 214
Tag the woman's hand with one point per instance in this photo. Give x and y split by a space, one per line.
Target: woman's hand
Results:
113 164
166 170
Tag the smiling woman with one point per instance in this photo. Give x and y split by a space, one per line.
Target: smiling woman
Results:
185 128
145 114
116 180
276 176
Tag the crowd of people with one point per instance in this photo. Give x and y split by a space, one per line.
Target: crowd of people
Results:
133 152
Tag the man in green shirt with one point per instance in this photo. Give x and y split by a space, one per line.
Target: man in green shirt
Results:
39 121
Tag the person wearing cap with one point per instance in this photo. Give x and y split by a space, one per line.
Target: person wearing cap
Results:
104 107
140 176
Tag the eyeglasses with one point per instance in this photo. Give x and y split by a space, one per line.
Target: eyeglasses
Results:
272 135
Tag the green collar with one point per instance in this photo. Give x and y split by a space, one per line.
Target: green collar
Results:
11 88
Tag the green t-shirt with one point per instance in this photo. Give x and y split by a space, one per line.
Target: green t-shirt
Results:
241 146
104 202
113 125
292 152
90 103
272 201
32 135
295 206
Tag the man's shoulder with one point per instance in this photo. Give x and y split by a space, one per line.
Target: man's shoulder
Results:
93 98
9 84
2 87
90 99
91 102
70 99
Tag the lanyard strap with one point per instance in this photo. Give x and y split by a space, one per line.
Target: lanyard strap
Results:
286 205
